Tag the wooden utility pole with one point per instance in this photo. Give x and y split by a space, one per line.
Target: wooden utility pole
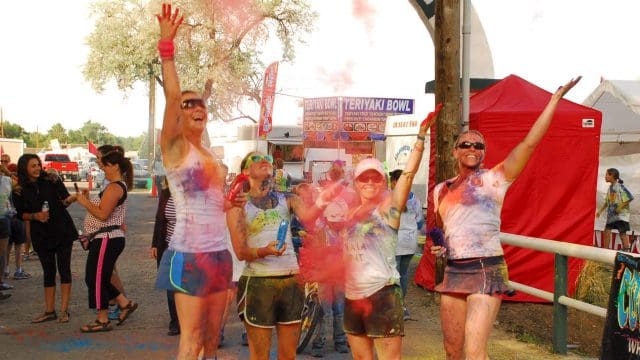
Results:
447 51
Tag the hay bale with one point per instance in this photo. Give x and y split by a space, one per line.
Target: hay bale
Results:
594 283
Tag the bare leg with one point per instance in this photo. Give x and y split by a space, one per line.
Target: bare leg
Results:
50 298
606 239
481 314
65 295
259 342
389 348
190 310
453 311
626 245
288 336
361 347
216 304
18 254
116 281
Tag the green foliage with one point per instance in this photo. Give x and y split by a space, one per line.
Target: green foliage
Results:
218 48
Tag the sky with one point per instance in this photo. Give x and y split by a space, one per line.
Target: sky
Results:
379 49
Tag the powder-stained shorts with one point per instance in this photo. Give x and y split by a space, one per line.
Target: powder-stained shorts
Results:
196 274
486 275
379 315
266 301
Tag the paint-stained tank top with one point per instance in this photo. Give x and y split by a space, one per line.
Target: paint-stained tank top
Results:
262 228
199 204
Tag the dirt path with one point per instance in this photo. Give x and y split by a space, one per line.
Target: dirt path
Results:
144 334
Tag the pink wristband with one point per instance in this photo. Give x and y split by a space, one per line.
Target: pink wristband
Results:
166 49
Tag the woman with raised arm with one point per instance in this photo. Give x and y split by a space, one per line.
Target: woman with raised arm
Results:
104 220
196 264
467 208
373 313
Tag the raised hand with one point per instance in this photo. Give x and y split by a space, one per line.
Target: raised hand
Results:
563 90
169 22
429 120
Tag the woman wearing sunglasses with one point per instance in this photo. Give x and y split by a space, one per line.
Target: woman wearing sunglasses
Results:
468 208
196 264
373 312
269 293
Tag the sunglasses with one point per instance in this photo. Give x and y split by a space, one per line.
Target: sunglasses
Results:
373 177
469 144
257 158
191 103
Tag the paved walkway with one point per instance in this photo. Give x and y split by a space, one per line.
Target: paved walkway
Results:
144 334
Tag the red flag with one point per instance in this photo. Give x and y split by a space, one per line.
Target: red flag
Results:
92 148
268 95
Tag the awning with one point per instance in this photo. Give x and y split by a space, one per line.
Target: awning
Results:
286 141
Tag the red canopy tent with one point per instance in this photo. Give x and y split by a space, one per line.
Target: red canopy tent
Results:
554 197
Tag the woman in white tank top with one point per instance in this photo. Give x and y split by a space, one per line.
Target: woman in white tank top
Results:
197 264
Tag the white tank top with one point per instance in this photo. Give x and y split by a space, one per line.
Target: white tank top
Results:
262 228
199 203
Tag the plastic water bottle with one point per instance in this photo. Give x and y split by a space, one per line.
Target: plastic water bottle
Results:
282 233
45 206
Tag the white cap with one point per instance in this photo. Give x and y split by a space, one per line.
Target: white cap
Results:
369 164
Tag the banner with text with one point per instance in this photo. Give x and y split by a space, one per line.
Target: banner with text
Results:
621 338
331 120
268 97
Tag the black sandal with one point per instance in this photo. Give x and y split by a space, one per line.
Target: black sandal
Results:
46 316
97 326
126 311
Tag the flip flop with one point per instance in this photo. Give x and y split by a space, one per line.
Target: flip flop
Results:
64 318
126 311
46 316
97 326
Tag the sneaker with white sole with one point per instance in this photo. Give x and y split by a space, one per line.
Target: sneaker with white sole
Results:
5 286
114 312
21 275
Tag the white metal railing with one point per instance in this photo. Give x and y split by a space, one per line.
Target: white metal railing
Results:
567 249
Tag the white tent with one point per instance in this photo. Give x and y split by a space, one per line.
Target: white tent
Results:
619 102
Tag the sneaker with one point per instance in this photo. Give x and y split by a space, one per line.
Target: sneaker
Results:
406 315
245 339
5 286
21 275
342 347
4 296
114 312
317 351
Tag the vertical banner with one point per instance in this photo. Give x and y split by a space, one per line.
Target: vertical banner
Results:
268 96
621 338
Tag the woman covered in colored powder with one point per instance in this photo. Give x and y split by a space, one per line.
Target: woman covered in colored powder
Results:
269 293
468 208
196 264
617 206
373 314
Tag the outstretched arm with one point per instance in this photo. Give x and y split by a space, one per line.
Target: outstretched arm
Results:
519 156
169 23
403 185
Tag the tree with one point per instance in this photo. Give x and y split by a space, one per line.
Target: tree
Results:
218 48
57 131
13 131
96 133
